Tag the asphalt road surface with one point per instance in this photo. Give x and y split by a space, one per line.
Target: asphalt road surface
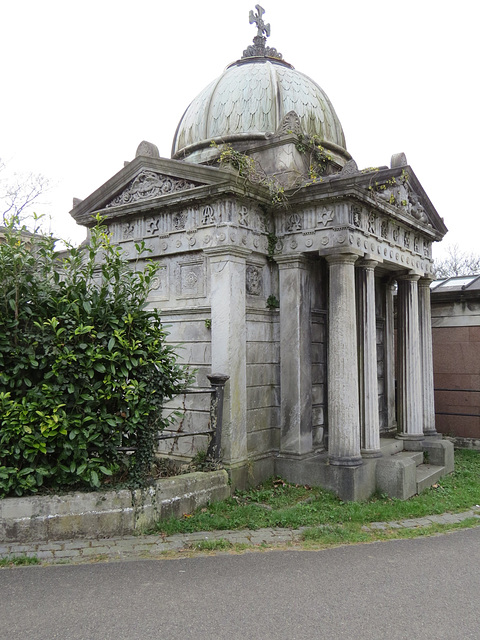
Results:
424 588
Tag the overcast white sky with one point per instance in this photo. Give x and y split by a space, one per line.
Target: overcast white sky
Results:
84 83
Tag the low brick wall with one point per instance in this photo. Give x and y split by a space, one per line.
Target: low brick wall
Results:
110 513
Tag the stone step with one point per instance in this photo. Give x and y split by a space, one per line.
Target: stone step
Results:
427 475
390 446
417 456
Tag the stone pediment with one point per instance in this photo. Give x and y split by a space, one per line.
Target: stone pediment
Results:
150 184
398 192
148 181
395 192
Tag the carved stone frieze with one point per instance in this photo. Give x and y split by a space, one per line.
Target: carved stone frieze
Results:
243 217
384 229
294 222
326 216
356 215
152 226
208 215
128 230
179 220
148 185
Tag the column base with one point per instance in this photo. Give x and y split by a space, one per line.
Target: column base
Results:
371 453
432 434
411 442
345 461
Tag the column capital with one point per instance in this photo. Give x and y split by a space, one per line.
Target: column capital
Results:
226 251
298 260
367 263
341 258
408 277
426 281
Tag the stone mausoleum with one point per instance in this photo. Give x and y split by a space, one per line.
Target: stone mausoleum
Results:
278 268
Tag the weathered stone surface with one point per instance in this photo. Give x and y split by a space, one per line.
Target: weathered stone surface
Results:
295 354
440 453
343 402
92 515
396 477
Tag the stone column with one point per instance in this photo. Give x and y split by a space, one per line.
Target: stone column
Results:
368 381
343 405
295 355
229 350
410 409
390 355
427 383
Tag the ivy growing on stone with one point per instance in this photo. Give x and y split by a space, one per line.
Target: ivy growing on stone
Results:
84 365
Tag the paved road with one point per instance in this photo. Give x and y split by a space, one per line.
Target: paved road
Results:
425 588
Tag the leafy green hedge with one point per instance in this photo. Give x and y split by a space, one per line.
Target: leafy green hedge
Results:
84 367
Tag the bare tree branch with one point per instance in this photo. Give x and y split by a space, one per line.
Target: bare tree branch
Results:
457 263
18 192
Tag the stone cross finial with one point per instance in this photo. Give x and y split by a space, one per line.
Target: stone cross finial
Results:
258 49
258 20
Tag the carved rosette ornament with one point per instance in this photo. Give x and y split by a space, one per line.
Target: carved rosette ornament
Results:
147 185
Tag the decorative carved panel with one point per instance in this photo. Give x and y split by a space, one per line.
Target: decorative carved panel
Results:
190 279
148 185
254 280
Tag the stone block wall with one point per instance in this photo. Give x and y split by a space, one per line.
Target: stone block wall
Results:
263 382
319 376
190 332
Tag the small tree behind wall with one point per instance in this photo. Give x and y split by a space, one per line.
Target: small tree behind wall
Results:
84 365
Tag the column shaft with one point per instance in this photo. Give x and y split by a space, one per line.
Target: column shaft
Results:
295 356
410 410
343 404
390 356
367 333
425 317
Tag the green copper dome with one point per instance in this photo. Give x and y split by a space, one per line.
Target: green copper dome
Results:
250 100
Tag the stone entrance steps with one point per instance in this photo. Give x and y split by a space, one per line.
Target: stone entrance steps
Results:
402 474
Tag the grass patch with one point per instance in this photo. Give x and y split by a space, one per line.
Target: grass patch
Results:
212 545
278 504
18 561
327 536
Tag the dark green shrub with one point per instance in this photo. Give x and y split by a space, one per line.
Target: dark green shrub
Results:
84 366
